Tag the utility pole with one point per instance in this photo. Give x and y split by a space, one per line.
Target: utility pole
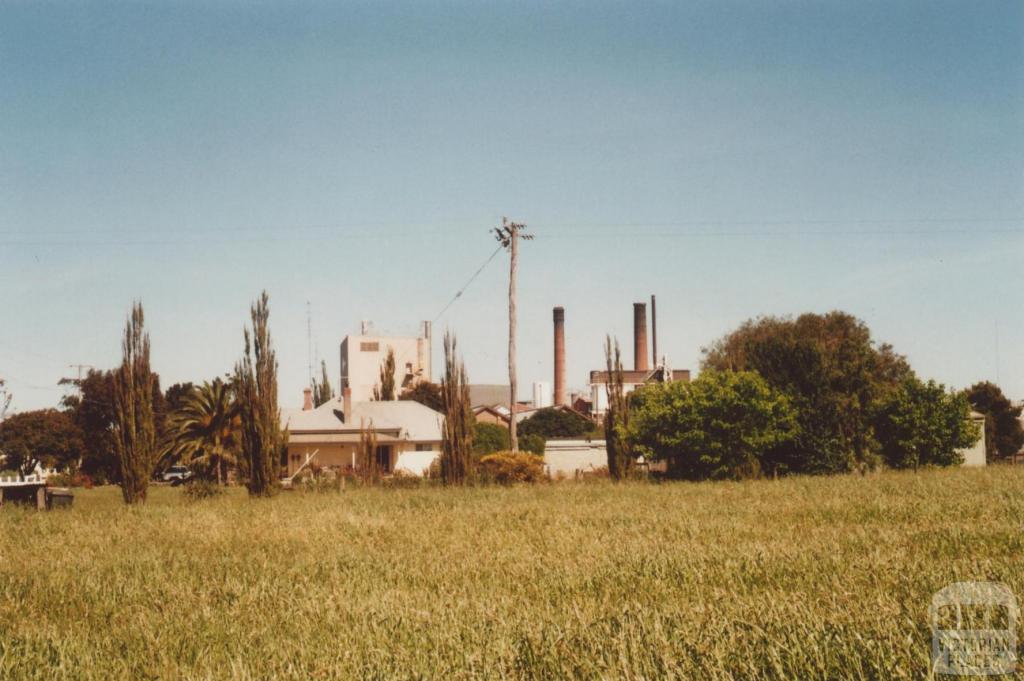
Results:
80 368
508 236
5 400
309 342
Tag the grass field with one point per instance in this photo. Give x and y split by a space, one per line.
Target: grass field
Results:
795 579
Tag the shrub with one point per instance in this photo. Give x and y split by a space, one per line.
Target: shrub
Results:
506 468
403 479
76 479
532 443
196 490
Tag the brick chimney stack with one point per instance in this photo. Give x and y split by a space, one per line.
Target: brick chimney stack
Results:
307 399
560 397
640 337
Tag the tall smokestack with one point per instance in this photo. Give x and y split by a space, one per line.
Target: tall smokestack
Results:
640 337
560 397
654 333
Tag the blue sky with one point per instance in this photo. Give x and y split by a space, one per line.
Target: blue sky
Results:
735 158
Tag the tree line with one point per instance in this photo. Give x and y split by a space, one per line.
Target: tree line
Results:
810 395
120 426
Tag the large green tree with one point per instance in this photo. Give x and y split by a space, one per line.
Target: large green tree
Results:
255 384
552 422
1003 433
46 437
834 375
924 424
723 425
134 422
92 409
426 393
205 431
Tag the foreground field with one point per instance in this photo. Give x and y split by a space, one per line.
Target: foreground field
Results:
805 578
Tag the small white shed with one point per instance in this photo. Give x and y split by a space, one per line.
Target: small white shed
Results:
975 456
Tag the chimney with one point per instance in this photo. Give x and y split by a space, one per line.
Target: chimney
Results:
654 334
640 337
346 404
307 399
559 316
428 365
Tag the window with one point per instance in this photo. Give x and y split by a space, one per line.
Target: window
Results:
422 447
369 347
384 458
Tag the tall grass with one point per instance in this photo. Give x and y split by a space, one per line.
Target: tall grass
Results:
797 579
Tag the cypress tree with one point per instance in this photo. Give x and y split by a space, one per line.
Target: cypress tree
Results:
385 390
616 417
457 439
256 383
134 426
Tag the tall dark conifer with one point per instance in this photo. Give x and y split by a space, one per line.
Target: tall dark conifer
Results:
134 425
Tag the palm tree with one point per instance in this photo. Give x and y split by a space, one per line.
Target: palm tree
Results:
205 432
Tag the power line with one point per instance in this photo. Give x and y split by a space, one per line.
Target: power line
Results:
471 279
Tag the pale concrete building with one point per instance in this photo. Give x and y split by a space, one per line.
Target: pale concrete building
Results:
631 380
362 357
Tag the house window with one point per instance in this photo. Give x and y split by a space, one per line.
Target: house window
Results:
422 447
369 347
384 458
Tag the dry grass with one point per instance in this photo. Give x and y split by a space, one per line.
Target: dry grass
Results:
804 578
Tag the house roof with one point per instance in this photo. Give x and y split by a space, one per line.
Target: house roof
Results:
404 419
484 395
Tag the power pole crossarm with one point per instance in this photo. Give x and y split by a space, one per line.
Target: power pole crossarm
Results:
508 235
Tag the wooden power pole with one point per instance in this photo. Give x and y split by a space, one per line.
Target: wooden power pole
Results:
508 235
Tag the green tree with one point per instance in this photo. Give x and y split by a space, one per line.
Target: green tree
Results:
616 416
425 393
923 424
368 470
255 384
721 426
457 460
385 390
552 422
134 423
322 393
489 438
46 437
834 375
92 410
1003 433
205 432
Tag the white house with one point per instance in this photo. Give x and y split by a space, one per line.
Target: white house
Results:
408 434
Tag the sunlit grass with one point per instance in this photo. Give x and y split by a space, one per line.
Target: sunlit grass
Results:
801 578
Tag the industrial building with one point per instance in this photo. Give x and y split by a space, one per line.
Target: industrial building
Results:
363 355
641 373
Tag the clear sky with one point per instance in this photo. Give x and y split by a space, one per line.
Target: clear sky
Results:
735 158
